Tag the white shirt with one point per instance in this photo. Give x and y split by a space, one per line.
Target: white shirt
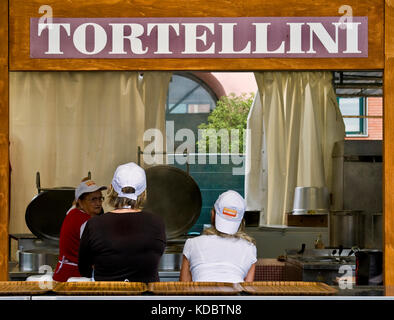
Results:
213 258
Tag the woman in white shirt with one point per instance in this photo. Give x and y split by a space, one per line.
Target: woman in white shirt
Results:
224 253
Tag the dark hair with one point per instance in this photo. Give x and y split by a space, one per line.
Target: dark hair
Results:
83 196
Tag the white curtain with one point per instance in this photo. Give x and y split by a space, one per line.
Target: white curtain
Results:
154 94
293 125
65 124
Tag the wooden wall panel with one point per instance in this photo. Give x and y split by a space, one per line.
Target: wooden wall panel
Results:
4 150
21 11
388 155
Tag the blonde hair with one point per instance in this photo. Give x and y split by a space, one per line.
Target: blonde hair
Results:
120 202
240 234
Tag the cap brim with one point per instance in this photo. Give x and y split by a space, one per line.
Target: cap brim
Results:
97 188
226 226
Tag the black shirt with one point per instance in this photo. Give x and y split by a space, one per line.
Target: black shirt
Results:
122 246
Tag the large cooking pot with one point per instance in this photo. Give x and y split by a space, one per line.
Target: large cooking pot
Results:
373 231
44 217
311 200
45 213
369 267
172 257
31 260
173 194
347 228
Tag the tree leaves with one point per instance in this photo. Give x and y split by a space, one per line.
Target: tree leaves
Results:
230 114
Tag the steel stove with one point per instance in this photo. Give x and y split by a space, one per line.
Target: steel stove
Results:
322 265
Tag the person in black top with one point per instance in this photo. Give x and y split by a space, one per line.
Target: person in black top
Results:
125 244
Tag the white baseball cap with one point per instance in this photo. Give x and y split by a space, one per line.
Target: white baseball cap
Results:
229 209
87 187
129 175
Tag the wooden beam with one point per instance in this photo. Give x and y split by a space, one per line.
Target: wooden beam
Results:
388 149
4 144
21 12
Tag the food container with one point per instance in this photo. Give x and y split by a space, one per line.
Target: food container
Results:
172 257
311 200
373 231
347 228
32 260
369 267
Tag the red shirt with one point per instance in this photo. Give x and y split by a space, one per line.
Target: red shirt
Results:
70 235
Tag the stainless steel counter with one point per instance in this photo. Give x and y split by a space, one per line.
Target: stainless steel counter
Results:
169 275
14 274
320 265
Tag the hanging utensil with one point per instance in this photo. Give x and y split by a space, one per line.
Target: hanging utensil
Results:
302 249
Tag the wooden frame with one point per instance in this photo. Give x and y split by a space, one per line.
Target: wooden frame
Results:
381 56
4 150
388 150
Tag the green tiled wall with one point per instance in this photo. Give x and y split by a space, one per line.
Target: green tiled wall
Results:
213 179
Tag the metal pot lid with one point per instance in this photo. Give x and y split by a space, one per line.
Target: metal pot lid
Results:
45 213
173 194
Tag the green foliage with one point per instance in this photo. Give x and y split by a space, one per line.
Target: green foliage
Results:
226 121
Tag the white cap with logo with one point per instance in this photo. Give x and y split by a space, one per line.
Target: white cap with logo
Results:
87 187
229 209
129 175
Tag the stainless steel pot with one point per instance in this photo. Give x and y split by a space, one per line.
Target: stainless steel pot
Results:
172 257
170 261
311 200
347 228
32 260
377 231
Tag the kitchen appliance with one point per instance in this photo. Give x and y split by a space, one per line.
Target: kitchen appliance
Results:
311 200
33 259
347 228
357 175
369 267
373 231
357 186
44 217
321 265
173 193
